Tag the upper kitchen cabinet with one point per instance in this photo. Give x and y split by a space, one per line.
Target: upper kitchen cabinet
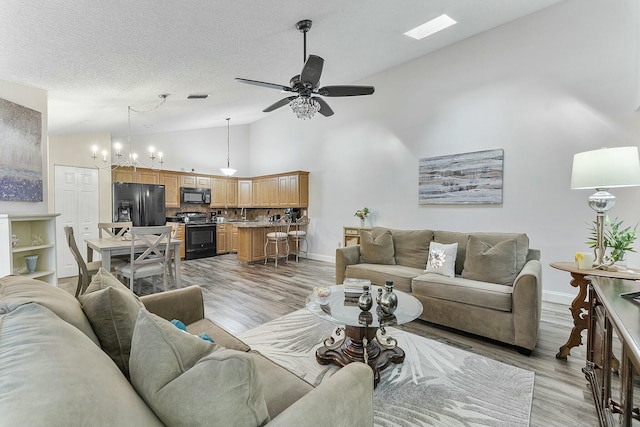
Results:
147 176
195 181
171 182
293 190
245 193
224 192
123 174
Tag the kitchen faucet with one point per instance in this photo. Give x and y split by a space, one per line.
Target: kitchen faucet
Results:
243 213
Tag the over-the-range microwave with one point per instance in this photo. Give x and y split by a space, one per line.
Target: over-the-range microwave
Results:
195 195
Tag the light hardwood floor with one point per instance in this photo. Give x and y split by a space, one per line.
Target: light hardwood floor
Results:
240 297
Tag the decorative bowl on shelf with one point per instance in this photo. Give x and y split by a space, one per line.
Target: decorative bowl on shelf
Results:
322 293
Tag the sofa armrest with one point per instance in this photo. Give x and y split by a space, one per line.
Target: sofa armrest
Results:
185 304
345 256
343 400
527 302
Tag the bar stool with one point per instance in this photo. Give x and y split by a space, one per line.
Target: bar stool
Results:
299 236
278 236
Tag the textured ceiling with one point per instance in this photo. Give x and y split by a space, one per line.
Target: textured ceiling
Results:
97 57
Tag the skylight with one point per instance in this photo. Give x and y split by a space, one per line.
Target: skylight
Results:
431 27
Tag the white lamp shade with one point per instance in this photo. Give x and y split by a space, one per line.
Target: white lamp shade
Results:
606 168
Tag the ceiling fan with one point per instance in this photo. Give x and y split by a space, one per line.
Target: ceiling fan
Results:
305 104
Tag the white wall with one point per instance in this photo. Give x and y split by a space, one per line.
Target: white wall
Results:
199 150
36 99
542 88
75 150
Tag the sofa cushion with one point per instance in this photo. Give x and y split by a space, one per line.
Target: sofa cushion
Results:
457 289
112 310
411 247
378 274
522 244
170 370
54 375
284 388
449 237
378 250
17 290
491 263
442 259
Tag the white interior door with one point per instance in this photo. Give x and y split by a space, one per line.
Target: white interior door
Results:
77 201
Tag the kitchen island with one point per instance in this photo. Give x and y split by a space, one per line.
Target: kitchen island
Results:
251 240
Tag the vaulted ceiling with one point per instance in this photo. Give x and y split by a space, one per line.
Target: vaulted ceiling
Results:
95 58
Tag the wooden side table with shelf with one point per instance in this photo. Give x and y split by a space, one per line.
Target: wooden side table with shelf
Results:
35 234
351 235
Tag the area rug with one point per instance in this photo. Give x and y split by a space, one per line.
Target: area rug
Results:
437 385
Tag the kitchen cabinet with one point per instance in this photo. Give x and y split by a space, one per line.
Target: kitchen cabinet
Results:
227 238
221 239
147 176
245 193
267 192
195 181
28 234
224 192
293 190
171 182
180 236
123 175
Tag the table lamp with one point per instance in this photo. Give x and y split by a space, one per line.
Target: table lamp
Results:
601 170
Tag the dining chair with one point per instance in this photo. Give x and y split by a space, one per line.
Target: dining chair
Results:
299 236
85 270
277 237
174 231
113 229
149 256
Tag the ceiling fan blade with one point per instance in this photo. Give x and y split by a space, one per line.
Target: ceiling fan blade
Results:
312 70
281 103
264 84
325 110
345 90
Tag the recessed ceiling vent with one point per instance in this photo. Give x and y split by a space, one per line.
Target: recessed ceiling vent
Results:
198 96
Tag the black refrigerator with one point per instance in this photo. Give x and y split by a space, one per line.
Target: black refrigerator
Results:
142 204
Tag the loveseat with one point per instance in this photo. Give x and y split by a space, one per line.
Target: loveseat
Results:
492 287
105 359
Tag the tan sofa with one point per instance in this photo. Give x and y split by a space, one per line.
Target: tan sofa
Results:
59 366
496 291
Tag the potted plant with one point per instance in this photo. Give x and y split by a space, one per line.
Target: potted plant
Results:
615 237
362 214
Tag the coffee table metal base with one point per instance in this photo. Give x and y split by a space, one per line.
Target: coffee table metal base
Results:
368 345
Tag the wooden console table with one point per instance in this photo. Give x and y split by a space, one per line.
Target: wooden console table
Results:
609 313
580 304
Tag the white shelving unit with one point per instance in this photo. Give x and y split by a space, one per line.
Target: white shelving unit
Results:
36 235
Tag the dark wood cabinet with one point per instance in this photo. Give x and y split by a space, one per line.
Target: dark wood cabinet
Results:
614 326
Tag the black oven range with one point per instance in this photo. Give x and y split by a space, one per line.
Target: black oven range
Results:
199 235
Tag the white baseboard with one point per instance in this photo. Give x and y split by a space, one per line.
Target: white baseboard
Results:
325 258
557 297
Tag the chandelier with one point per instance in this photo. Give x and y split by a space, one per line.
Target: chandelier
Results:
131 159
228 171
305 107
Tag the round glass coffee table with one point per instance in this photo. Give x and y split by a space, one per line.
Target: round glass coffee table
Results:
361 336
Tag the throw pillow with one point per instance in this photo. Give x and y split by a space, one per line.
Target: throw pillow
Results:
169 369
378 250
442 259
491 263
180 325
112 310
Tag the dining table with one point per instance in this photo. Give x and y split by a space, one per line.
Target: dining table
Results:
109 247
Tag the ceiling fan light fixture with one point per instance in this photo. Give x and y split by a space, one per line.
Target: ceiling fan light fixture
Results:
305 107
431 27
